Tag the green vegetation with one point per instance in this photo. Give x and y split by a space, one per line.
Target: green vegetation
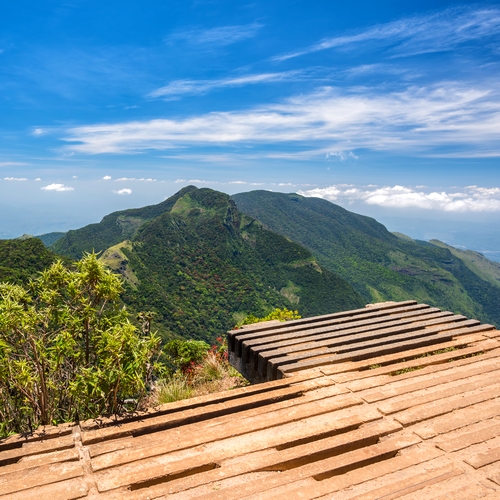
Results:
200 266
378 264
67 351
195 369
476 262
23 259
277 314
50 238
113 229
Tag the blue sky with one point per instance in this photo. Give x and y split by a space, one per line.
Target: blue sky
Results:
390 109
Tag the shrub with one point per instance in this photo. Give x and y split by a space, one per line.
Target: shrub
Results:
67 351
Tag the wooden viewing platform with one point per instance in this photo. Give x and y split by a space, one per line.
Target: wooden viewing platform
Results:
406 406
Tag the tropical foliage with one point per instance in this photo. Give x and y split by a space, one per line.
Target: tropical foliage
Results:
67 351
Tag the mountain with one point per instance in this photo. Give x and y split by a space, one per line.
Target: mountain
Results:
378 264
200 265
50 238
21 259
114 228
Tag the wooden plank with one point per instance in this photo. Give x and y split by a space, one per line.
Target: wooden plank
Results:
428 392
179 439
71 489
360 369
350 340
196 414
374 355
432 364
38 476
373 311
261 344
458 418
308 489
321 470
417 482
469 435
482 459
434 409
249 452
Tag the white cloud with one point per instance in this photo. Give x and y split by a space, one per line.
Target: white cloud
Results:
11 163
38 179
470 199
57 187
221 35
418 119
75 177
106 178
124 191
435 32
183 87
142 179
341 155
38 131
15 179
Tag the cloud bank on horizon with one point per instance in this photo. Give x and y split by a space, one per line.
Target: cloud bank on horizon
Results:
312 97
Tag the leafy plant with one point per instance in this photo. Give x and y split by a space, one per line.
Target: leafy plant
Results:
67 351
180 354
276 314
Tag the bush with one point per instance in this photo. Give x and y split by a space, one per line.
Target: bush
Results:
181 354
276 314
67 351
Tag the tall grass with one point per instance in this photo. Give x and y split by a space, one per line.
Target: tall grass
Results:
212 374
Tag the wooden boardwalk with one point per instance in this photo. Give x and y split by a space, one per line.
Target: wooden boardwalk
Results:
368 419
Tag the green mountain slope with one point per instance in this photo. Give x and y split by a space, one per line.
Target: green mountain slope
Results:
378 264
476 262
113 228
22 259
201 265
50 238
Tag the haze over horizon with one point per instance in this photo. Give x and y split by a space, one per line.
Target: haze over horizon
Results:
388 109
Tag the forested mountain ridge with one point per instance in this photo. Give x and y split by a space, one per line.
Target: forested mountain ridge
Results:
114 228
378 264
200 265
23 259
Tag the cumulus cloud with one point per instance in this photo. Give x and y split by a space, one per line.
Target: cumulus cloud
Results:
123 191
15 179
106 178
57 187
422 120
470 199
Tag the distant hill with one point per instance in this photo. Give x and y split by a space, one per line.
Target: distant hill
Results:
22 259
378 264
50 238
201 265
476 262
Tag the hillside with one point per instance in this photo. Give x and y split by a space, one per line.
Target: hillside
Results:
22 259
114 228
378 264
200 265
50 238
